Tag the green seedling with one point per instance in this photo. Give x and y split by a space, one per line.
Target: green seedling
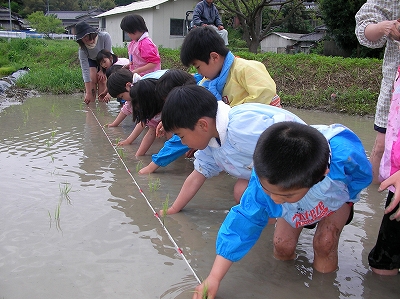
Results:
165 209
120 151
57 216
154 185
48 143
64 192
117 140
53 111
53 134
205 292
65 188
26 116
139 165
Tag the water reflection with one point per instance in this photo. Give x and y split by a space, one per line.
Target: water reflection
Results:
112 246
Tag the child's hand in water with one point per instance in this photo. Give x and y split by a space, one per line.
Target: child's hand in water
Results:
123 142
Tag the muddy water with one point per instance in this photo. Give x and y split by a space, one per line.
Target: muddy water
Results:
77 221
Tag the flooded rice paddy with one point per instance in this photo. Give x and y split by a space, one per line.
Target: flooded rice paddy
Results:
77 221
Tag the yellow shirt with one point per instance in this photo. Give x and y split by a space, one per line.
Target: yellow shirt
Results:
248 82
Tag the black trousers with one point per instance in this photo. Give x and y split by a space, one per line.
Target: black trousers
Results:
386 253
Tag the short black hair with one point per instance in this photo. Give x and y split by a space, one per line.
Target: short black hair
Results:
113 69
199 43
132 23
145 103
185 105
116 83
291 155
173 78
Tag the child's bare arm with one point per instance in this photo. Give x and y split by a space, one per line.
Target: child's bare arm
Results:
135 133
210 286
190 187
149 168
121 116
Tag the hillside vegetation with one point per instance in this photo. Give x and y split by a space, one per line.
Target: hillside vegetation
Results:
336 84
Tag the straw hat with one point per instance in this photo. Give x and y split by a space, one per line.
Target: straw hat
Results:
83 28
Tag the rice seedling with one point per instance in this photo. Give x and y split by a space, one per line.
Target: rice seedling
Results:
65 188
26 115
154 185
120 151
53 111
48 142
165 209
204 292
53 134
57 216
139 165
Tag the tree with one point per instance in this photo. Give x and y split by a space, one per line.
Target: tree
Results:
31 6
45 24
15 5
339 17
107 4
299 22
250 14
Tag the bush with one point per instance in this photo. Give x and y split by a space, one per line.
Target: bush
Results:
303 81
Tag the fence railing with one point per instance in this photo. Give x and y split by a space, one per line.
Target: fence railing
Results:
24 34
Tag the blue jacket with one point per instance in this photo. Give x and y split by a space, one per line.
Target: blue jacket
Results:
350 172
205 14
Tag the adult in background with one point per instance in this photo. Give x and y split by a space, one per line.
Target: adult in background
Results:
376 27
206 14
91 41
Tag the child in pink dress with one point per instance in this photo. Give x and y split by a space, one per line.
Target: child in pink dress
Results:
143 53
384 258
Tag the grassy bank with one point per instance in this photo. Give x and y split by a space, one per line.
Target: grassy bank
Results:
303 81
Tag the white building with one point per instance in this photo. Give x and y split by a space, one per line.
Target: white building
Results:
165 20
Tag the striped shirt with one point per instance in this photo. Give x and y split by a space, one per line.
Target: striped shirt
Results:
372 12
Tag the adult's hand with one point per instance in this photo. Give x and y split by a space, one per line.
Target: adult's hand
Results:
393 180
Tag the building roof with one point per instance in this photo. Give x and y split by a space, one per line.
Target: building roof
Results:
74 14
5 14
301 37
312 37
139 5
66 14
290 36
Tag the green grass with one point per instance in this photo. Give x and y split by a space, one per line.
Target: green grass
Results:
303 81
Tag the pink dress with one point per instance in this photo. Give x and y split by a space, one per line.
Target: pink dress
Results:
390 162
142 52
